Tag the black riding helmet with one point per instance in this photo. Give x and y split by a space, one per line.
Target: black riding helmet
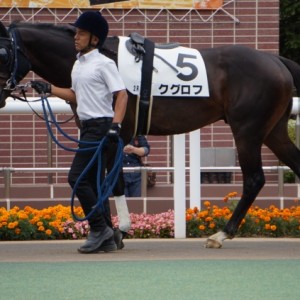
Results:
95 23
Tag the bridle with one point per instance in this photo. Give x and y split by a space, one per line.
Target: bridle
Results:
16 65
13 62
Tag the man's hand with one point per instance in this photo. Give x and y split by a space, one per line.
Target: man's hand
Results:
114 132
129 149
41 87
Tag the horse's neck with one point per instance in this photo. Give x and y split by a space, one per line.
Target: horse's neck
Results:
51 55
110 48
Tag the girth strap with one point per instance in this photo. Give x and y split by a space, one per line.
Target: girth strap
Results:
145 93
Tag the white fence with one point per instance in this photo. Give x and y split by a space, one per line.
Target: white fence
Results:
6 173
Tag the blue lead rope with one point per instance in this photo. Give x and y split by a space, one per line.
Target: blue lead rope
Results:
104 190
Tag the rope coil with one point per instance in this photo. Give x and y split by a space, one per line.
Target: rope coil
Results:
104 190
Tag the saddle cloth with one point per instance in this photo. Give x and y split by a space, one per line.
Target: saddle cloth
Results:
177 72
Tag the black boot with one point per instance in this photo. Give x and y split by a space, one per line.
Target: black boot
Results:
119 236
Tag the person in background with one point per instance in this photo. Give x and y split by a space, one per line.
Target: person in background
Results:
132 157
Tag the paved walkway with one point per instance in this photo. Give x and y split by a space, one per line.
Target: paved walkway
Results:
160 269
153 249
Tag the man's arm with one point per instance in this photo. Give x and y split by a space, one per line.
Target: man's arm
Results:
120 106
64 93
43 87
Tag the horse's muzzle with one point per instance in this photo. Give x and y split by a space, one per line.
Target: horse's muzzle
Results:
3 96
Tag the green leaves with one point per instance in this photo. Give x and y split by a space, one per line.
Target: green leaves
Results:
290 29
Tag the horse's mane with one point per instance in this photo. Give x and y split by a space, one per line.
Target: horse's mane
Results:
70 30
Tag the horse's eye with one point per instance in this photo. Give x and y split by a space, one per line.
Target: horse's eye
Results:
3 56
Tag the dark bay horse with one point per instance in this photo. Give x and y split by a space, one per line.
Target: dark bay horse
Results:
250 90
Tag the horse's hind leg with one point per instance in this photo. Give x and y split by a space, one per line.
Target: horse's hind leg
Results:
249 152
282 146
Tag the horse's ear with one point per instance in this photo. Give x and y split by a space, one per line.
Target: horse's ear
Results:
3 31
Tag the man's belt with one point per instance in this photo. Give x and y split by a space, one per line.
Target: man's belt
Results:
94 122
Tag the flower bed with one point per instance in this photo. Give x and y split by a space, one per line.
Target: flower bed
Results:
268 222
56 222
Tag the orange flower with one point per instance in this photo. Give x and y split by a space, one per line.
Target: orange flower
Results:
12 225
212 225
48 232
4 219
206 203
226 211
17 231
267 226
28 209
47 217
202 214
61 229
273 227
232 194
15 208
23 216
189 211
188 217
41 228
202 227
208 219
229 196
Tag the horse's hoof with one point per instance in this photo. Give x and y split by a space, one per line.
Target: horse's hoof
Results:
216 240
210 243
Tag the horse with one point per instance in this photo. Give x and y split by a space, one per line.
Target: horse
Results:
249 89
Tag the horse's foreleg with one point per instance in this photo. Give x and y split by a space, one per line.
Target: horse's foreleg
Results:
121 205
120 200
252 186
123 213
253 181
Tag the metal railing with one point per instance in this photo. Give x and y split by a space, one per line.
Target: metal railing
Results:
8 171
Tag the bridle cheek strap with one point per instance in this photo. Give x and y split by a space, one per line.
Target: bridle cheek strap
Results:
21 65
16 64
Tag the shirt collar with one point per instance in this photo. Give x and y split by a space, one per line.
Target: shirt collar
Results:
86 56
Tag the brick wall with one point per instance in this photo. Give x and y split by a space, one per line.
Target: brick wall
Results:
251 23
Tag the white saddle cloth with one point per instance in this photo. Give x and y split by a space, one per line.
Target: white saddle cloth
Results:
177 72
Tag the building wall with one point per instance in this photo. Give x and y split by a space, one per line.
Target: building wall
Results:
252 23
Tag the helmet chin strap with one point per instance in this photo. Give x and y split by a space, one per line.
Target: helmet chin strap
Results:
89 47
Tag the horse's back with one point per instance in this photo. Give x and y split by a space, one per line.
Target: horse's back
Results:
244 67
241 59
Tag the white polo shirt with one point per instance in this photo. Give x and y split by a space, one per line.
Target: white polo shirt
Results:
95 78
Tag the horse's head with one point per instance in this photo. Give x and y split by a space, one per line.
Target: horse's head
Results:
14 65
6 57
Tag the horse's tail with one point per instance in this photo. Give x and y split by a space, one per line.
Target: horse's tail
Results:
294 69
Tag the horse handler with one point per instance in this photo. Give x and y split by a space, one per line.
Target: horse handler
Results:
95 81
